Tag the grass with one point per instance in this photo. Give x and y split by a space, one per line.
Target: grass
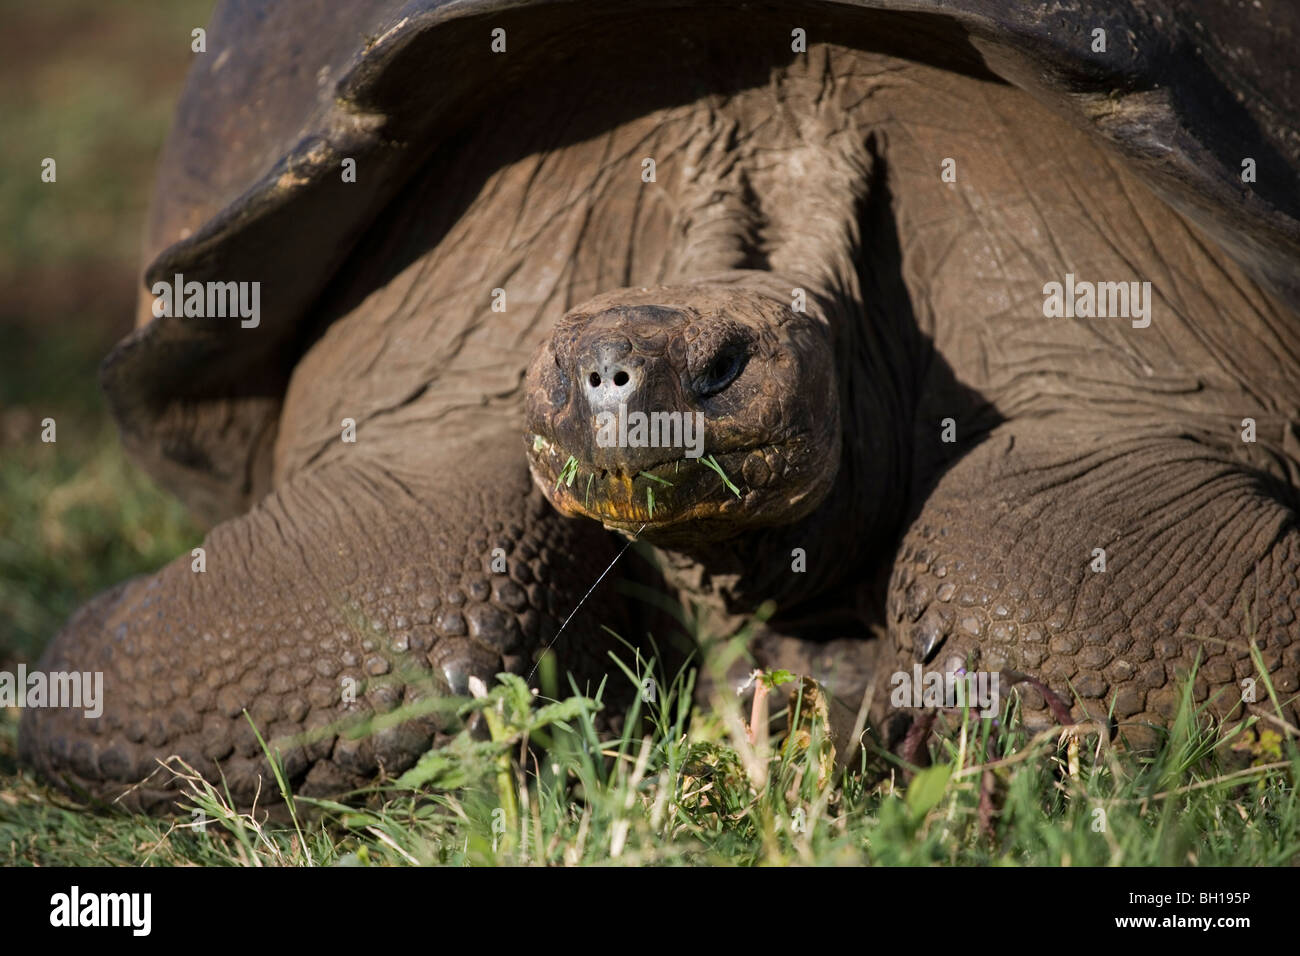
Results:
685 785
567 473
92 85
712 463
78 518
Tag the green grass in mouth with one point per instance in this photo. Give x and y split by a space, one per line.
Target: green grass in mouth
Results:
712 462
567 473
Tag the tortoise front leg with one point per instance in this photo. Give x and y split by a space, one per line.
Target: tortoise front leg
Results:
1104 566
356 587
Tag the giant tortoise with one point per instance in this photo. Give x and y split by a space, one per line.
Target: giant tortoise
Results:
962 333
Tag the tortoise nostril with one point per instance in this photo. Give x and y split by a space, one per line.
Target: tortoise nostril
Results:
610 374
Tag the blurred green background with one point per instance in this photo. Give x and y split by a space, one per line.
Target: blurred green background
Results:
91 83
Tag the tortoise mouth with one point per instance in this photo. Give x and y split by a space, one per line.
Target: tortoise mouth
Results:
672 492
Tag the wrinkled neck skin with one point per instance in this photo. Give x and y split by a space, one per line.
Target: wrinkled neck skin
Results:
815 244
841 545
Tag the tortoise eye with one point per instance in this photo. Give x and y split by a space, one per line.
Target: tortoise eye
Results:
722 371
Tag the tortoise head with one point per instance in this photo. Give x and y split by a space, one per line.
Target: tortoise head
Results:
686 414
